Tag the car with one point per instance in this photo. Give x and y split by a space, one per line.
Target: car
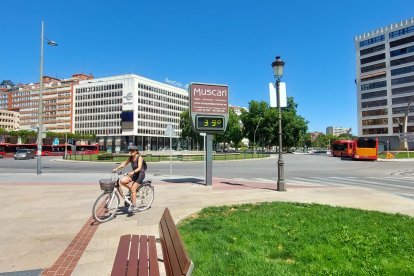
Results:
24 154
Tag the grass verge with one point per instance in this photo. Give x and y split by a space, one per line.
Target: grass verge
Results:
298 239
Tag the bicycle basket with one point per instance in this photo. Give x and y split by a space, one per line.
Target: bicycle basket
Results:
107 185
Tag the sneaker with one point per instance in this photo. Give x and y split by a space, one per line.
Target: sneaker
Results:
132 208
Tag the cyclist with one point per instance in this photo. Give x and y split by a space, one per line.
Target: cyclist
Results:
135 177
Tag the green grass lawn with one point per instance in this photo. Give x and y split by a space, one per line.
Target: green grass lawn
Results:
298 239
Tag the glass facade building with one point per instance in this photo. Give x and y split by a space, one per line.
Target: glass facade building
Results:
385 81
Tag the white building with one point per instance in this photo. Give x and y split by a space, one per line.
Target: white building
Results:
385 81
128 109
336 131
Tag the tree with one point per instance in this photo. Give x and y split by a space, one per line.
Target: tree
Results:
264 118
187 132
233 132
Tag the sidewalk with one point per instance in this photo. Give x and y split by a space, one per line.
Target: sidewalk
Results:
43 214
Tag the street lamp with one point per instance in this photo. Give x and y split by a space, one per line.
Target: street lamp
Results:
254 137
40 109
277 66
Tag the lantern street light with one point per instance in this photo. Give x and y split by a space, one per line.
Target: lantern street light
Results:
40 108
277 66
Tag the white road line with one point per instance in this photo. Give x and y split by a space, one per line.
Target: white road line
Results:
265 180
372 183
395 179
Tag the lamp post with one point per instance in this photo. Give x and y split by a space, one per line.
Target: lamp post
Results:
254 137
40 109
277 66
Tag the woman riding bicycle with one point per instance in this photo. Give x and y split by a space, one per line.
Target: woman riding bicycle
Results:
134 177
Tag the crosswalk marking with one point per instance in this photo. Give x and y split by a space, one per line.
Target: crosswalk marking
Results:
397 182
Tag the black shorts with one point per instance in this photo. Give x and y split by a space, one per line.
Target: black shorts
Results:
138 177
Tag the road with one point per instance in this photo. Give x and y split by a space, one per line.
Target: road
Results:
392 177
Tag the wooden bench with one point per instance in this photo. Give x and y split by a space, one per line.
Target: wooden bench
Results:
137 254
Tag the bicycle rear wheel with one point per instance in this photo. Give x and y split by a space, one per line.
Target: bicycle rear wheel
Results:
105 207
145 197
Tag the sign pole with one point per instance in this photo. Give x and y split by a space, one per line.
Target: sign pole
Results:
208 160
170 154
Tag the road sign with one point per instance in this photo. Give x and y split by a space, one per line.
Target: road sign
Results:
55 141
169 131
209 107
273 95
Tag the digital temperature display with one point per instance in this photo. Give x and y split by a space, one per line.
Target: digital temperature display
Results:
210 122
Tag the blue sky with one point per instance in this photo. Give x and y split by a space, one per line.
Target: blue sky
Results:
227 42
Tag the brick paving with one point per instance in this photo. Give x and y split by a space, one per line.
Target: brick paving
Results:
68 260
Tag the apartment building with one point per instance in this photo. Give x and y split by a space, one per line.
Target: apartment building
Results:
9 120
129 109
4 99
57 103
385 81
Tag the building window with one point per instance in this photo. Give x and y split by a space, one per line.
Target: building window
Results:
373 67
372 50
404 60
402 70
375 94
401 41
371 40
402 90
402 51
373 77
382 130
374 103
402 80
373 122
401 32
401 100
375 112
373 85
373 58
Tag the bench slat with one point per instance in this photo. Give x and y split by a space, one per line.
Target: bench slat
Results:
121 258
153 258
175 257
133 256
143 256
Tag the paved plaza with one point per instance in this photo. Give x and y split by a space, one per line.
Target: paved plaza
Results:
47 226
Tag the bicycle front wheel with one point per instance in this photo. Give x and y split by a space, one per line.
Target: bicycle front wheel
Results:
105 207
145 197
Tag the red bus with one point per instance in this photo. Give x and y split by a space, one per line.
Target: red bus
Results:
87 149
342 148
7 149
56 150
365 149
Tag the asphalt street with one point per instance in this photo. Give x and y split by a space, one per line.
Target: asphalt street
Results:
393 177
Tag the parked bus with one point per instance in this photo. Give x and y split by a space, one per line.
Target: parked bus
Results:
342 148
365 149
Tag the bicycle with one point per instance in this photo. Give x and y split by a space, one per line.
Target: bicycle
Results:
107 204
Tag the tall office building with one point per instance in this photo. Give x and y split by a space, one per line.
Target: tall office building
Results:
385 81
129 109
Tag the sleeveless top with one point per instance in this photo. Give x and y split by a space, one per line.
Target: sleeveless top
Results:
134 164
